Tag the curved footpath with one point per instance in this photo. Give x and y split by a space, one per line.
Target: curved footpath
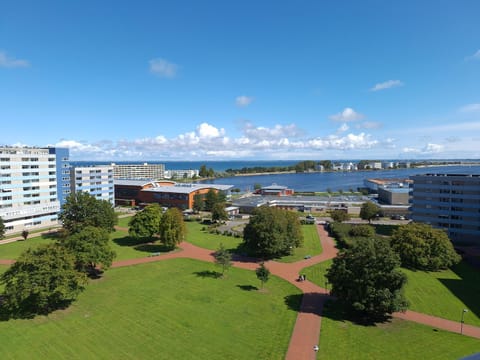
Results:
306 332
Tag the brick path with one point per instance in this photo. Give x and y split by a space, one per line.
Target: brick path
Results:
306 331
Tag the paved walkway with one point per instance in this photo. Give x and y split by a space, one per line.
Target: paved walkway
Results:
306 331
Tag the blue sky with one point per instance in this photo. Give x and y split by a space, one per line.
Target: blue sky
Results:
219 80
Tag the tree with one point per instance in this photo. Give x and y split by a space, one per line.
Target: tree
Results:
272 232
366 231
203 172
263 274
422 247
366 278
82 209
369 211
213 197
145 223
172 228
223 258
219 213
2 228
338 215
91 247
25 234
40 281
198 203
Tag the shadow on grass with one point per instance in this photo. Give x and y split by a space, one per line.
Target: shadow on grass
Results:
153 248
467 288
324 305
27 311
247 287
208 274
130 241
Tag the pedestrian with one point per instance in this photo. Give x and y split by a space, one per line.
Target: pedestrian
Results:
304 277
315 348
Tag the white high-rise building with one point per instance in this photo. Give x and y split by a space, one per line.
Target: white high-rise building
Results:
29 193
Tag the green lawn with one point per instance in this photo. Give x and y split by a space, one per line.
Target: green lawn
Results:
203 239
14 249
123 222
165 310
399 339
3 268
311 245
316 273
446 293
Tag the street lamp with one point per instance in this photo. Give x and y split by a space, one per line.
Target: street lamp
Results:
461 322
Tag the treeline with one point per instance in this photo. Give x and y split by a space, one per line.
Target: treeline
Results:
302 166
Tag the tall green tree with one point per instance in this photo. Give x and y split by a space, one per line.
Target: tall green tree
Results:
367 279
272 232
203 172
91 247
420 246
369 211
223 258
339 215
211 198
263 274
219 213
82 209
198 202
172 228
2 228
145 223
40 281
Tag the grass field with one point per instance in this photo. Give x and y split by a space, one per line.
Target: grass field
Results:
123 222
165 310
311 245
399 339
316 273
205 240
446 293
3 268
14 249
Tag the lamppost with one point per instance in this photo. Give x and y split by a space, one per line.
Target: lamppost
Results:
461 322
326 284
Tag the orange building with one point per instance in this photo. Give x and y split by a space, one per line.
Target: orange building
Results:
165 193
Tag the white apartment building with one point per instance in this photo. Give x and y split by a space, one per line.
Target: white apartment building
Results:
28 188
95 180
181 174
139 171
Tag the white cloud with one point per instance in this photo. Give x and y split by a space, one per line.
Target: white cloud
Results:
433 148
278 131
470 108
243 100
210 142
387 85
428 149
205 130
163 68
475 56
343 128
348 114
369 125
9 62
